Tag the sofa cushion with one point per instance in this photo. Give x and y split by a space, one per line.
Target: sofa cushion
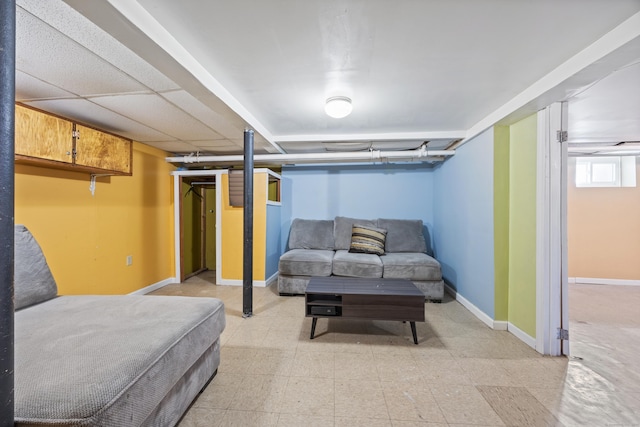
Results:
367 240
350 264
410 265
342 228
107 360
403 235
311 234
306 262
33 281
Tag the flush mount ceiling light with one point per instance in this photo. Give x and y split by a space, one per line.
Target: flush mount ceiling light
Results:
338 107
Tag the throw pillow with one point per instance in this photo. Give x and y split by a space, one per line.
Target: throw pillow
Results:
367 240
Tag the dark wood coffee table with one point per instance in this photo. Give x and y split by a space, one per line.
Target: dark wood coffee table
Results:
372 299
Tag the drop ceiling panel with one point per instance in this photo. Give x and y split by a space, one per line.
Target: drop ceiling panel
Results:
178 147
68 21
233 146
224 127
212 144
68 65
31 88
91 114
157 113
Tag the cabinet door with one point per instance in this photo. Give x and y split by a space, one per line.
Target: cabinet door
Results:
43 136
102 150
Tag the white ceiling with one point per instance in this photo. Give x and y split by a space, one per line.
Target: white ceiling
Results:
190 76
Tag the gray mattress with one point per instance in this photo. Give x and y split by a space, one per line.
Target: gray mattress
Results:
110 360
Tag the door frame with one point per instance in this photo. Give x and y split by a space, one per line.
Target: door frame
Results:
177 211
552 314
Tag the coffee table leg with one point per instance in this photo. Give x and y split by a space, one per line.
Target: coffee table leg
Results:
313 327
413 331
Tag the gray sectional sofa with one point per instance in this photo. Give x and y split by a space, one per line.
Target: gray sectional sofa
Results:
121 360
321 248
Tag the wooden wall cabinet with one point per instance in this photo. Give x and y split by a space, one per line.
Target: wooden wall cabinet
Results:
43 139
43 136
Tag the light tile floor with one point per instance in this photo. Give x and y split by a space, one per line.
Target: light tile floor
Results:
369 373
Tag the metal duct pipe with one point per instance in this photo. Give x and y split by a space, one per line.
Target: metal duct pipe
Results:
7 204
373 156
247 249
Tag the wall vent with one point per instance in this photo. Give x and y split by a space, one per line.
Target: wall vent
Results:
236 187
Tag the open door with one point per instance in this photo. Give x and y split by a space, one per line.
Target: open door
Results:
552 291
192 254
210 227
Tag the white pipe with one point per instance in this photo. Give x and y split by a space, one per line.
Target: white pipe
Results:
421 154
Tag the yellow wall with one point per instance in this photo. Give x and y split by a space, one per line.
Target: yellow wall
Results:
603 230
232 230
522 224
86 238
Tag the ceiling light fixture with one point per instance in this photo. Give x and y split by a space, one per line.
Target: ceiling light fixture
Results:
338 107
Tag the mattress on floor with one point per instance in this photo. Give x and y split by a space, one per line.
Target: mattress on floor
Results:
107 360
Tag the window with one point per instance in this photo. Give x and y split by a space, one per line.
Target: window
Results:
609 171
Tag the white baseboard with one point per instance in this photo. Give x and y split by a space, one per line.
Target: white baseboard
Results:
501 325
521 335
598 281
497 325
155 286
272 279
233 282
469 306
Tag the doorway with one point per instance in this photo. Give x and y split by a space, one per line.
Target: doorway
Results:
197 226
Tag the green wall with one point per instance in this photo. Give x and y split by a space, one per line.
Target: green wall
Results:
191 236
522 225
501 221
514 188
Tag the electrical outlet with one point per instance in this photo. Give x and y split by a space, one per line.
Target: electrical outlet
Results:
129 259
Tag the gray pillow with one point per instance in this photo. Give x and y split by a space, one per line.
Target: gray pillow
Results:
343 227
33 281
311 234
403 235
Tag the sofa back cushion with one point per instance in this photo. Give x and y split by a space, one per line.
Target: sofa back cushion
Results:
342 230
403 235
311 234
33 281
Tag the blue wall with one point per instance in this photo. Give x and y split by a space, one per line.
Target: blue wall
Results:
454 199
358 191
463 218
274 248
